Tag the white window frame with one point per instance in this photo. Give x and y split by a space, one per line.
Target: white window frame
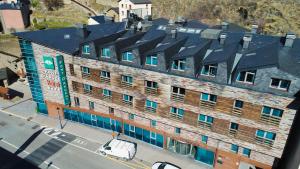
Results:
238 107
89 87
177 112
82 70
123 77
106 74
209 95
83 49
130 130
130 100
178 90
233 129
271 112
152 84
245 80
109 91
209 70
104 56
206 117
151 60
278 87
180 61
151 135
265 135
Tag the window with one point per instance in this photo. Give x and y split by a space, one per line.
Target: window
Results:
205 119
122 5
177 130
152 135
131 116
208 97
151 104
204 139
151 60
179 64
131 128
127 98
127 79
122 12
238 104
234 148
151 84
234 126
87 88
76 100
105 52
209 70
268 111
111 110
246 152
280 84
105 74
85 70
106 92
265 135
153 123
86 49
177 112
178 90
246 77
91 105
127 56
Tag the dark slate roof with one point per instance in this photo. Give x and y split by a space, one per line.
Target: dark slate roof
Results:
196 24
10 6
56 38
100 19
232 27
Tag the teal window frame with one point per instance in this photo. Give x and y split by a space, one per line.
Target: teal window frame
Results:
151 104
246 152
269 111
127 79
127 56
151 60
86 49
210 70
234 148
209 97
127 98
234 126
152 135
179 112
177 130
87 87
179 64
153 123
205 119
204 139
85 70
105 52
265 135
107 92
131 116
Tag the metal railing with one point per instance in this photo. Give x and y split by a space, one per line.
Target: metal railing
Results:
104 79
150 109
237 112
272 120
204 125
126 84
127 103
264 142
151 91
177 97
85 75
232 132
175 116
207 104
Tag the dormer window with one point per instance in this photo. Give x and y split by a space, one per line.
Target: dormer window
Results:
280 84
86 49
105 52
151 60
179 64
246 76
127 56
209 70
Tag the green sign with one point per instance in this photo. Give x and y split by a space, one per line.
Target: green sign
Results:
48 62
63 79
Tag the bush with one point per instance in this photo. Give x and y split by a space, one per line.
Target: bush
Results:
54 4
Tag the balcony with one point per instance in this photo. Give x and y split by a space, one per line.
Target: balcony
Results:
271 120
151 91
150 110
264 142
232 132
107 98
85 75
207 104
127 103
105 80
237 112
175 116
204 125
177 97
126 85
87 92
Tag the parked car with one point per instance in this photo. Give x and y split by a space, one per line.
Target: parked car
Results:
164 165
119 148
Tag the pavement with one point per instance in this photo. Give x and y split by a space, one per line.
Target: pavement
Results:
82 139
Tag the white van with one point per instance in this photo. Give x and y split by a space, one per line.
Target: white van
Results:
119 148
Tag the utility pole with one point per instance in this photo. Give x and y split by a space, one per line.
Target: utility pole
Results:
61 126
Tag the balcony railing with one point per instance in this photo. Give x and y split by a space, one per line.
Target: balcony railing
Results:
175 116
127 103
150 109
85 75
264 142
177 97
237 112
272 120
204 125
232 132
104 79
107 98
151 91
207 104
126 84
87 92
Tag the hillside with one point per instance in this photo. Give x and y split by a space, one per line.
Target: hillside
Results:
277 17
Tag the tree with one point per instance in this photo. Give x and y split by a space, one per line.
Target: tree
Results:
54 4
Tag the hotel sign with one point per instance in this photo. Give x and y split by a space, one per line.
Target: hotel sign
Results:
63 79
48 62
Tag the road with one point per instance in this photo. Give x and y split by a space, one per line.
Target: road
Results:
27 145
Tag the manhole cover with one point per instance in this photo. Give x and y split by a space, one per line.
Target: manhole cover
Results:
2 123
35 127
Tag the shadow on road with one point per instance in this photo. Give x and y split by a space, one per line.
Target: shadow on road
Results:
10 160
29 141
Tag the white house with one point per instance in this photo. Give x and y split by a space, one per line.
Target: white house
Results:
141 8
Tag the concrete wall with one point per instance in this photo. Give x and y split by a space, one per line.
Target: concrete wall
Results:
126 6
12 20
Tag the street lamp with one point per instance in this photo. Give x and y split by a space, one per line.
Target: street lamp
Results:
61 126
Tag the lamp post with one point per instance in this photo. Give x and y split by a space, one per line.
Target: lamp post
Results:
61 126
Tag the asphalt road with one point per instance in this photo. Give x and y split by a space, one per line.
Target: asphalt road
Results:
27 145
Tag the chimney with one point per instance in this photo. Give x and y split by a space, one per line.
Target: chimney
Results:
225 26
223 38
289 40
82 30
174 33
246 41
254 29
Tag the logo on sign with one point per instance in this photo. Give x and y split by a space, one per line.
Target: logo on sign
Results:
48 62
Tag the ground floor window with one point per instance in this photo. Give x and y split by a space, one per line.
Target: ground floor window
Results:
204 156
144 135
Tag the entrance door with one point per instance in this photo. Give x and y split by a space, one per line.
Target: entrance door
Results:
204 156
179 147
94 120
113 124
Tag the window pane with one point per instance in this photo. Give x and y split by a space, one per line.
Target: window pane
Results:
204 139
266 110
239 104
202 117
270 136
204 96
210 119
260 133
213 98
277 112
154 60
234 148
180 112
246 151
241 76
250 78
205 70
148 60
285 84
275 82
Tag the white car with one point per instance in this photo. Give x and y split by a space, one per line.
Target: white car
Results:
119 148
164 165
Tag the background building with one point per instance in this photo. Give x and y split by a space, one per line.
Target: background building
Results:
141 8
219 96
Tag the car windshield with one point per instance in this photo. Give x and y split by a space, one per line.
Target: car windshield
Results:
162 166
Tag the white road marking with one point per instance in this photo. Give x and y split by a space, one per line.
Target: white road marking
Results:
47 130
56 133
47 163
